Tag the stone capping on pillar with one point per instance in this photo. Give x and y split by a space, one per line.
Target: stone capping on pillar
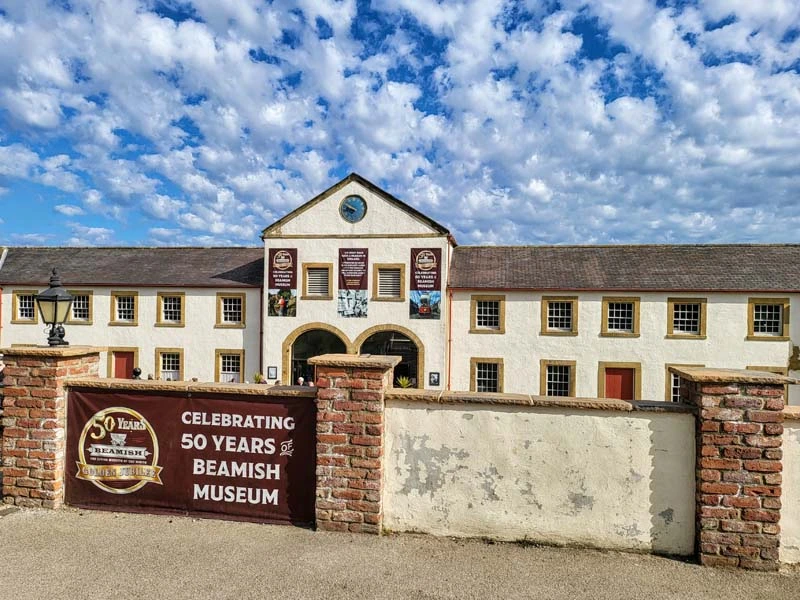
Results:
34 419
350 440
738 472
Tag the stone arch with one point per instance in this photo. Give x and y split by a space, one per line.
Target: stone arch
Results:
366 334
288 344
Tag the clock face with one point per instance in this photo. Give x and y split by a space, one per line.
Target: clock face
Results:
353 209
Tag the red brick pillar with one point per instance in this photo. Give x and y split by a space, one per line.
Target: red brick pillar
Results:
34 420
739 436
350 408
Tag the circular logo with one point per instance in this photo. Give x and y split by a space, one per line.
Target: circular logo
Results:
426 260
118 451
282 260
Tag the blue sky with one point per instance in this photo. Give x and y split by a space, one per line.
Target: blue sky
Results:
168 122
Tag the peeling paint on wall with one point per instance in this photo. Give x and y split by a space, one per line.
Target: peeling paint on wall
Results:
425 467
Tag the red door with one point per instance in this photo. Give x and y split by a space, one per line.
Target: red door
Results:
123 365
619 383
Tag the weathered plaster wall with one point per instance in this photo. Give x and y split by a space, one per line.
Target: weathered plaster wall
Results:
562 476
790 511
199 338
522 346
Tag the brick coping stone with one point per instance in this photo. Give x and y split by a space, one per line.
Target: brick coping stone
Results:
703 375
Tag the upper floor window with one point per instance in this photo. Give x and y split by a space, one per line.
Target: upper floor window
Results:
317 281
768 319
81 307
487 314
486 374
686 317
230 310
388 282
620 317
170 310
124 308
559 315
23 307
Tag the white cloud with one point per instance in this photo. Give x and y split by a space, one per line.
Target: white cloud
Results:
503 130
69 210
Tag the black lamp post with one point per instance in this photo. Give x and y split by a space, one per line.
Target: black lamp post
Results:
54 304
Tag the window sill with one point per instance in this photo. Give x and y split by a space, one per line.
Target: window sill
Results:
316 297
24 322
71 323
620 334
767 338
229 326
385 299
490 331
684 336
123 324
169 325
559 333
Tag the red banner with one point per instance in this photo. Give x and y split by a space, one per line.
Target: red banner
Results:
220 455
353 268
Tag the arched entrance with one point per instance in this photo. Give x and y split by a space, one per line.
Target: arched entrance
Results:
397 341
306 343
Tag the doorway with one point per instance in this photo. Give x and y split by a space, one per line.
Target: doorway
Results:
622 381
309 344
396 343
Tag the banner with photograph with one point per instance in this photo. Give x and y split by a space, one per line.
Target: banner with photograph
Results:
425 295
282 282
352 299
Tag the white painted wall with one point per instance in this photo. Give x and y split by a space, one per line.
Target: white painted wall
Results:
382 218
790 511
199 338
594 478
522 346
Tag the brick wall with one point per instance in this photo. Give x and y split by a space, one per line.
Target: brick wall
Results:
350 413
739 471
34 421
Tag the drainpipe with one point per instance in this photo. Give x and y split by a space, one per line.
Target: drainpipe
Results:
449 335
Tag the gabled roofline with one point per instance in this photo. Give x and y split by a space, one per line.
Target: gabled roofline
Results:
355 177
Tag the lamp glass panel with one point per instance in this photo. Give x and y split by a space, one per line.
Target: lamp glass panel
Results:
63 309
47 308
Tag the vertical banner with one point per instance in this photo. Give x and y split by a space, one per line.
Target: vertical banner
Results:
425 297
282 282
352 282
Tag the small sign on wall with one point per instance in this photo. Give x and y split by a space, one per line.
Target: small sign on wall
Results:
352 298
425 295
282 282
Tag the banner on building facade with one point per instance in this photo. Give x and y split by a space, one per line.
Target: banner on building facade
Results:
282 282
352 299
425 295
217 456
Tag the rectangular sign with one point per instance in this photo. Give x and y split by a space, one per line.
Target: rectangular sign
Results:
282 282
352 298
425 295
216 456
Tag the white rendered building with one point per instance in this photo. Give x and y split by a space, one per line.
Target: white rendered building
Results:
356 270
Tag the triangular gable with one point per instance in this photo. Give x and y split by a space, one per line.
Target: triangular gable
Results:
305 219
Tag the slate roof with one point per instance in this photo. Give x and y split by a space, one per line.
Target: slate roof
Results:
735 268
135 267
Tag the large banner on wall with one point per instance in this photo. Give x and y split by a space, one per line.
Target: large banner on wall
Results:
352 299
217 456
425 295
282 282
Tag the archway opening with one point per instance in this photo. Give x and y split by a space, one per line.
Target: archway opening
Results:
310 344
396 344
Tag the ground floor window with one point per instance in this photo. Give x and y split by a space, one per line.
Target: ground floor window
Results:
486 375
